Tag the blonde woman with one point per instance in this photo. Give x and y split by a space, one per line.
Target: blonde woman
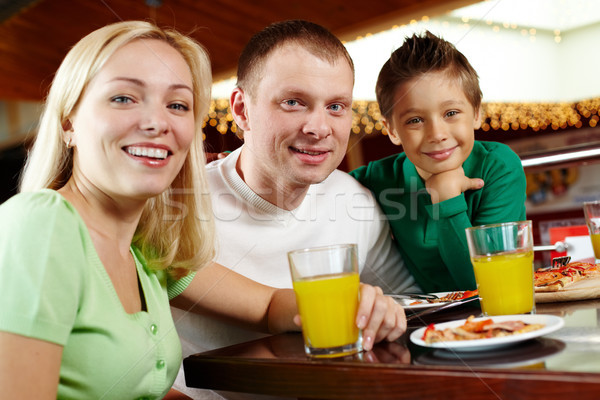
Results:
112 221
90 245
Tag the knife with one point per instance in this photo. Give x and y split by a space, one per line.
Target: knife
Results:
442 307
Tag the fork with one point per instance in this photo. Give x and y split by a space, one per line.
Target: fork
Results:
440 308
560 261
414 296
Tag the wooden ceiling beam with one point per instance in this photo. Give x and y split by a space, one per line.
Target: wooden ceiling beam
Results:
35 40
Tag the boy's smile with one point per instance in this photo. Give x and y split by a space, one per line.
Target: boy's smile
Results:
442 155
434 122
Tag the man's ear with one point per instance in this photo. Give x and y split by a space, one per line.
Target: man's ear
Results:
478 118
392 133
239 108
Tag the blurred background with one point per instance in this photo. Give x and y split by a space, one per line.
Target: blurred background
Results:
537 60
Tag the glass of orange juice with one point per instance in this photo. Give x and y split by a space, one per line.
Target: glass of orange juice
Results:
502 257
326 285
591 209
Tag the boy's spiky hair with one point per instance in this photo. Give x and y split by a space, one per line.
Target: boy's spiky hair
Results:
421 54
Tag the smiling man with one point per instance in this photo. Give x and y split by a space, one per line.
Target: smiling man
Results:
281 191
296 117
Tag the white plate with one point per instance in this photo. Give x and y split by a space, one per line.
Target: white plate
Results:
520 354
551 322
421 304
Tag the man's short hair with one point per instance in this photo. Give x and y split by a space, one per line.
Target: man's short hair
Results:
314 38
417 56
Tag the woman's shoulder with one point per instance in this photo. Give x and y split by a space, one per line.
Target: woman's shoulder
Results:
38 207
46 198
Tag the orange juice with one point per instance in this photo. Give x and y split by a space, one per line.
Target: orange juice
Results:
596 244
505 282
328 307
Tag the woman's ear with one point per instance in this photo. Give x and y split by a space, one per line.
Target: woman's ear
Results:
392 133
239 108
69 133
67 125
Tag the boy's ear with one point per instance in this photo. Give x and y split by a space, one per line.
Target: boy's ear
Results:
478 118
392 133
239 108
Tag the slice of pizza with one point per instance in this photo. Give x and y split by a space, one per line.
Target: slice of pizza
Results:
588 270
480 329
555 280
558 278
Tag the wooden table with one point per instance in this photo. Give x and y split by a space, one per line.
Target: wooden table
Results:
562 365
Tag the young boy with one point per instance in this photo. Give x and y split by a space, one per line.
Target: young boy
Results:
444 181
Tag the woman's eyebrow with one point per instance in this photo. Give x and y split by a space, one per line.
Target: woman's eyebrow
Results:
139 82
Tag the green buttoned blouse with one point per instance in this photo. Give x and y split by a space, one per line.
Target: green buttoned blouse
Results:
53 287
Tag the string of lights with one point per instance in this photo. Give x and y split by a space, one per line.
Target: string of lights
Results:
496 116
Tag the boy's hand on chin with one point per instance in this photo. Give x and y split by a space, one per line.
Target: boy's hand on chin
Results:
449 184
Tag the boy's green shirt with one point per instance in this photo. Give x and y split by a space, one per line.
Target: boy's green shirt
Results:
432 238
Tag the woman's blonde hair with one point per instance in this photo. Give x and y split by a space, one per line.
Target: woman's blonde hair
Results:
176 229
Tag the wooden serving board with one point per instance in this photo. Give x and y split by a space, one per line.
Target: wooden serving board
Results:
581 290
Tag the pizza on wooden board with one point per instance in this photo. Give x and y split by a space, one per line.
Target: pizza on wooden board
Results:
556 279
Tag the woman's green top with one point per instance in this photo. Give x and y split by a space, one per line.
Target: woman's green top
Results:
53 287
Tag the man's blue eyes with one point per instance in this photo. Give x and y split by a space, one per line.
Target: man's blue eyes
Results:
295 103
